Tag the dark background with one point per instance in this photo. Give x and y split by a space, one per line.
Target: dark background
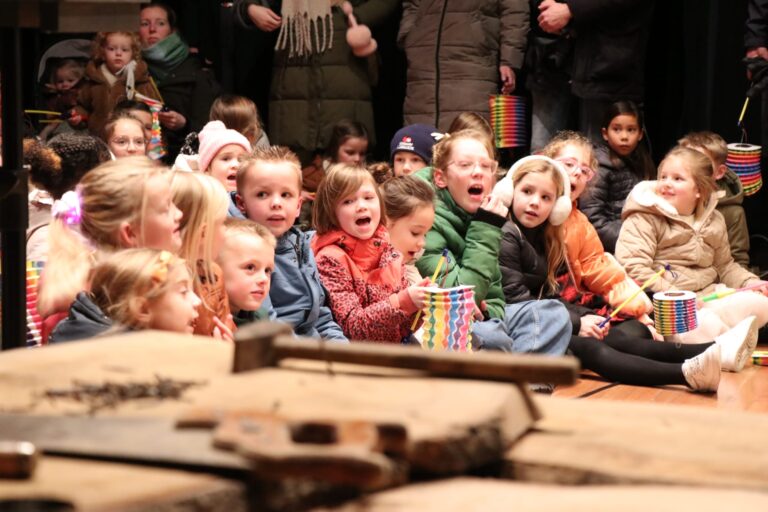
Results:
695 79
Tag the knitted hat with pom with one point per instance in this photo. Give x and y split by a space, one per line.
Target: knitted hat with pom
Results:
415 138
215 136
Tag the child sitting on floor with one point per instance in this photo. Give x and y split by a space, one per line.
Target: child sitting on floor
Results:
135 289
673 221
247 260
269 193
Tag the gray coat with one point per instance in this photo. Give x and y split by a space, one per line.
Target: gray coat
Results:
454 50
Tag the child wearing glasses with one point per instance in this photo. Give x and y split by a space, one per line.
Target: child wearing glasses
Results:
624 162
468 221
125 135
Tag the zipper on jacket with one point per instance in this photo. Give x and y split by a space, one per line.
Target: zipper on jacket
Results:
437 63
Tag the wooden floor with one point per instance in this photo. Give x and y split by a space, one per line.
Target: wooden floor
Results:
744 391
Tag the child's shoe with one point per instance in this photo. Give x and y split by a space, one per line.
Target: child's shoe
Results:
737 344
703 371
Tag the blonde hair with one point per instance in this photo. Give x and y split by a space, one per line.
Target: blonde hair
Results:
553 235
74 66
111 194
566 138
122 281
700 167
441 152
203 201
270 154
404 194
473 121
711 143
235 226
237 113
340 180
100 41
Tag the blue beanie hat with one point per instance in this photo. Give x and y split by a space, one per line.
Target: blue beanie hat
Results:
415 138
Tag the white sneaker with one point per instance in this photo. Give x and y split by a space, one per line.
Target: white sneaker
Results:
703 371
737 344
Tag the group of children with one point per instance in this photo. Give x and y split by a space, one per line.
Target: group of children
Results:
216 241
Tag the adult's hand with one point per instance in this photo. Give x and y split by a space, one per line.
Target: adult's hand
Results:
760 52
553 16
172 120
264 18
507 79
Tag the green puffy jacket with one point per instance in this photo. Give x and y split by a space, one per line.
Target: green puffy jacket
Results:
473 243
730 205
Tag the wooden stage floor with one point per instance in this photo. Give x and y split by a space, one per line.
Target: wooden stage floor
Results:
744 391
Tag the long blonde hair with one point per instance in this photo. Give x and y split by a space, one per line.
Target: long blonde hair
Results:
554 237
122 281
111 194
203 201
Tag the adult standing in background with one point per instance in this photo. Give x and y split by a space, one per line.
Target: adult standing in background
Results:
187 90
609 48
459 53
315 85
756 44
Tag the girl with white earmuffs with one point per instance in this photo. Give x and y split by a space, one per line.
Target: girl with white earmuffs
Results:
533 261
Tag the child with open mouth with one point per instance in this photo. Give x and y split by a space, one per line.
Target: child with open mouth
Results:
468 221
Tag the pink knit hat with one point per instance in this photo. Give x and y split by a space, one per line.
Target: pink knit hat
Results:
215 136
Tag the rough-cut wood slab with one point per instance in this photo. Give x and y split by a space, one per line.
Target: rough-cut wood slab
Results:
452 425
100 486
486 495
600 441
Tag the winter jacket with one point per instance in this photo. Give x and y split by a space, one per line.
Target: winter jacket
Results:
242 317
756 34
590 266
454 50
366 285
309 95
473 248
654 235
97 98
605 195
523 263
296 293
189 90
609 47
85 320
735 219
214 302
548 57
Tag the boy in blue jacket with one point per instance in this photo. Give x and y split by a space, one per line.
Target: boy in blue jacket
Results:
269 193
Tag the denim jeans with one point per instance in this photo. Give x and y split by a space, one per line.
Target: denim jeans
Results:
534 326
550 113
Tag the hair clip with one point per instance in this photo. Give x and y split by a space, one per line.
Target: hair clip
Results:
160 272
68 208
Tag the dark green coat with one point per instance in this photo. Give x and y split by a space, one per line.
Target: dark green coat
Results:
309 95
730 205
473 243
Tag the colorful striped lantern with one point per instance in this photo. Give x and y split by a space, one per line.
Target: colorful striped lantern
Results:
744 160
674 312
509 120
448 315
34 321
760 357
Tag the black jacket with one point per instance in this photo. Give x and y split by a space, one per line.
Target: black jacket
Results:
610 40
605 195
85 320
189 90
523 264
756 33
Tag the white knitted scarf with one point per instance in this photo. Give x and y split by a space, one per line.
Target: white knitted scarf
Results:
303 19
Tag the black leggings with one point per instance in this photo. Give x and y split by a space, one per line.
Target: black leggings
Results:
633 360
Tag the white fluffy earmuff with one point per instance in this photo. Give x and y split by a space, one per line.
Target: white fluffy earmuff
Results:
505 190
